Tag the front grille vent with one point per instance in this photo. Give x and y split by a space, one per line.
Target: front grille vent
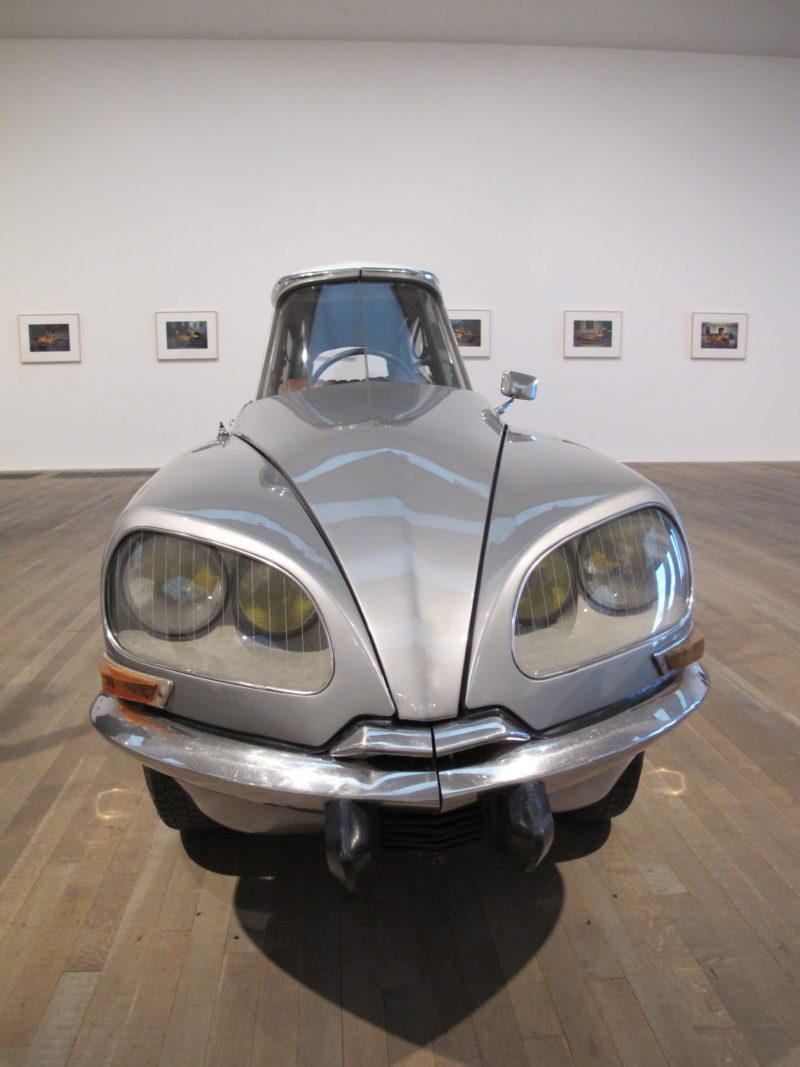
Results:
431 831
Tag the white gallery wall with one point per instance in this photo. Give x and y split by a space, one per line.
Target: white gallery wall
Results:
145 176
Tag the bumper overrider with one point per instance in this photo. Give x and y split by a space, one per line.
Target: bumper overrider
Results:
435 767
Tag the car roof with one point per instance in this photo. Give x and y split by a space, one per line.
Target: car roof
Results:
353 272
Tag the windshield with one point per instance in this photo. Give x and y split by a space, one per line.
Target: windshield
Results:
340 332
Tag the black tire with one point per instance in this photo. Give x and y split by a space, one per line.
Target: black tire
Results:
618 799
174 805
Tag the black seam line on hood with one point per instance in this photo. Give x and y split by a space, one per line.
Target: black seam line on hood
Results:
479 576
320 530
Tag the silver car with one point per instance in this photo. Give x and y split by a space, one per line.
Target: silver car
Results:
371 608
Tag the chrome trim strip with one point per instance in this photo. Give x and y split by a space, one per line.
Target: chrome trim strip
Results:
255 772
270 775
571 758
371 739
461 734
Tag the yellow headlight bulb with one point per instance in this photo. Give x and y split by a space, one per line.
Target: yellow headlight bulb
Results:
548 590
271 602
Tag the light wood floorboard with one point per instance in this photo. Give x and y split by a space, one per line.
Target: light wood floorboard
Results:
669 939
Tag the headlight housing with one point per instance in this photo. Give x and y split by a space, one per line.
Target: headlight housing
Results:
179 603
606 590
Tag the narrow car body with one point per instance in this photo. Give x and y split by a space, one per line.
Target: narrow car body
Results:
372 597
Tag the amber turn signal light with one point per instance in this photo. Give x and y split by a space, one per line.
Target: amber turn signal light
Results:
679 656
125 684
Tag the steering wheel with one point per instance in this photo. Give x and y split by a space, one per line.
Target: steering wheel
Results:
329 362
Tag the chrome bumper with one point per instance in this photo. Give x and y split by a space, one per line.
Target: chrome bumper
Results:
273 775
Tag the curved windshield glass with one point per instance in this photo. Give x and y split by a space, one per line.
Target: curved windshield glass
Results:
355 331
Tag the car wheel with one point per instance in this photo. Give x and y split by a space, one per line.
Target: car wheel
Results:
174 805
617 799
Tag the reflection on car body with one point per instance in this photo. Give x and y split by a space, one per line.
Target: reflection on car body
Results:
372 609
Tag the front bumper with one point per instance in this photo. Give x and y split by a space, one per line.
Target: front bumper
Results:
443 765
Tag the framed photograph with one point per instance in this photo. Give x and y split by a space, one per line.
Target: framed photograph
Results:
719 335
52 338
592 334
186 334
473 332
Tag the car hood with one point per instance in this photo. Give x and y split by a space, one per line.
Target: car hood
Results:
398 477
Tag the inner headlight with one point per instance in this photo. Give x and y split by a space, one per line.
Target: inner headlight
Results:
172 586
272 602
606 590
547 591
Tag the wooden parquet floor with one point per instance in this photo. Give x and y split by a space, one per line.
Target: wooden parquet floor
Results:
671 937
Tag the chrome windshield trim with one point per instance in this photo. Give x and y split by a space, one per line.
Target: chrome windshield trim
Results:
353 272
311 277
271 775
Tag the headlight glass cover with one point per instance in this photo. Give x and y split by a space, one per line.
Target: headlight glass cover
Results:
606 590
180 603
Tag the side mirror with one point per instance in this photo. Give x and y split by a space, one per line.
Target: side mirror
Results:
516 386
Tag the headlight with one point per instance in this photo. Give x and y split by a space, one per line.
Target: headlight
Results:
170 586
620 562
179 603
272 603
606 590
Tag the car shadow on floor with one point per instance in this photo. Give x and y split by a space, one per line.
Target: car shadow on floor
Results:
425 941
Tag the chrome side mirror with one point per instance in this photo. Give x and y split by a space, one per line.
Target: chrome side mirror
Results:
516 386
